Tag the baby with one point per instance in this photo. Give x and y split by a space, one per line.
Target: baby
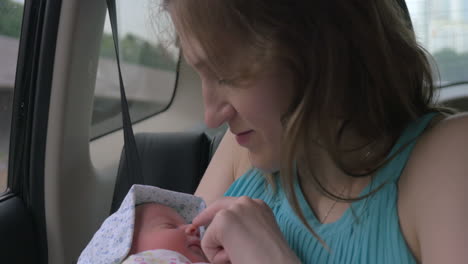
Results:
149 227
161 235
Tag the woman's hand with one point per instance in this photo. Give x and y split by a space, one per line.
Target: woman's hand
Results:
243 230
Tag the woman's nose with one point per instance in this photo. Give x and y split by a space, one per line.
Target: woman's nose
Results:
216 116
191 230
218 109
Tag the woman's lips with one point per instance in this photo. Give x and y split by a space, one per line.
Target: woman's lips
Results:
243 138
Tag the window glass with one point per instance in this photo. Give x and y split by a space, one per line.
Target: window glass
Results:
441 27
11 14
149 64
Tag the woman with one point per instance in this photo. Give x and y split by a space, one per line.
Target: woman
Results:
334 144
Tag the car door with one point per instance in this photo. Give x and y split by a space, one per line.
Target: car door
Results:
27 36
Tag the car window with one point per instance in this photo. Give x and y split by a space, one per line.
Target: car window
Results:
11 14
149 66
441 27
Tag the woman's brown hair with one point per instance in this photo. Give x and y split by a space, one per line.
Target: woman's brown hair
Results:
358 68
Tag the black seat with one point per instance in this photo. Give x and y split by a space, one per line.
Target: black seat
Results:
173 161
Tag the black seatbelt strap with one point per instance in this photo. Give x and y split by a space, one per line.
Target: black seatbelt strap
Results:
135 173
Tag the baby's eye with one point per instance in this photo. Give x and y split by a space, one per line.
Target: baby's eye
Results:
169 226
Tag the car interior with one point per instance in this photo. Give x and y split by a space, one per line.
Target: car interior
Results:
66 165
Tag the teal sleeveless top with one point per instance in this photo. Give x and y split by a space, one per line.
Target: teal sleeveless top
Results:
370 233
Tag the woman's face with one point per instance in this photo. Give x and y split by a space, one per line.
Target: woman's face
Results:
253 110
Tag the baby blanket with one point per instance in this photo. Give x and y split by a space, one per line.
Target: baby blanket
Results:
159 256
112 242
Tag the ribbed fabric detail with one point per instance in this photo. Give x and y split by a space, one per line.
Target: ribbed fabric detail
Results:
374 236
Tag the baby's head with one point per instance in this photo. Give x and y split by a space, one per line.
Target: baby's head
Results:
161 227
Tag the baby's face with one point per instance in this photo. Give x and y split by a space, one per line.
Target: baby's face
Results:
160 227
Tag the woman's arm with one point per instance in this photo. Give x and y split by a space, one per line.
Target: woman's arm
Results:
229 162
434 194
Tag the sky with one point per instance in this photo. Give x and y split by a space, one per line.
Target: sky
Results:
137 17
133 16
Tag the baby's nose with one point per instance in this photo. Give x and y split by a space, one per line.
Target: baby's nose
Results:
192 230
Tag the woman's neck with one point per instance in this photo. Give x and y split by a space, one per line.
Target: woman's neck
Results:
330 176
335 181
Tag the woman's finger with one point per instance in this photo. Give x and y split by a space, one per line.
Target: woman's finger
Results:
207 215
212 245
243 229
221 258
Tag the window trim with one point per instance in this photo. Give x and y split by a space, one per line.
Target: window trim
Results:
32 89
146 116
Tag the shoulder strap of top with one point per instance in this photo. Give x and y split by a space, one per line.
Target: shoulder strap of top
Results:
402 150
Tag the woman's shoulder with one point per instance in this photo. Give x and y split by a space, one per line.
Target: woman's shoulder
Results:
229 162
447 121
434 181
441 153
444 137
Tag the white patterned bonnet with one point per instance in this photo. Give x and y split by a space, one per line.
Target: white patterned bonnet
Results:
112 242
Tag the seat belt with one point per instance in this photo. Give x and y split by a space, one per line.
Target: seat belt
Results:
132 158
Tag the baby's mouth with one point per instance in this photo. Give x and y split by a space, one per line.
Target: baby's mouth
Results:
195 246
